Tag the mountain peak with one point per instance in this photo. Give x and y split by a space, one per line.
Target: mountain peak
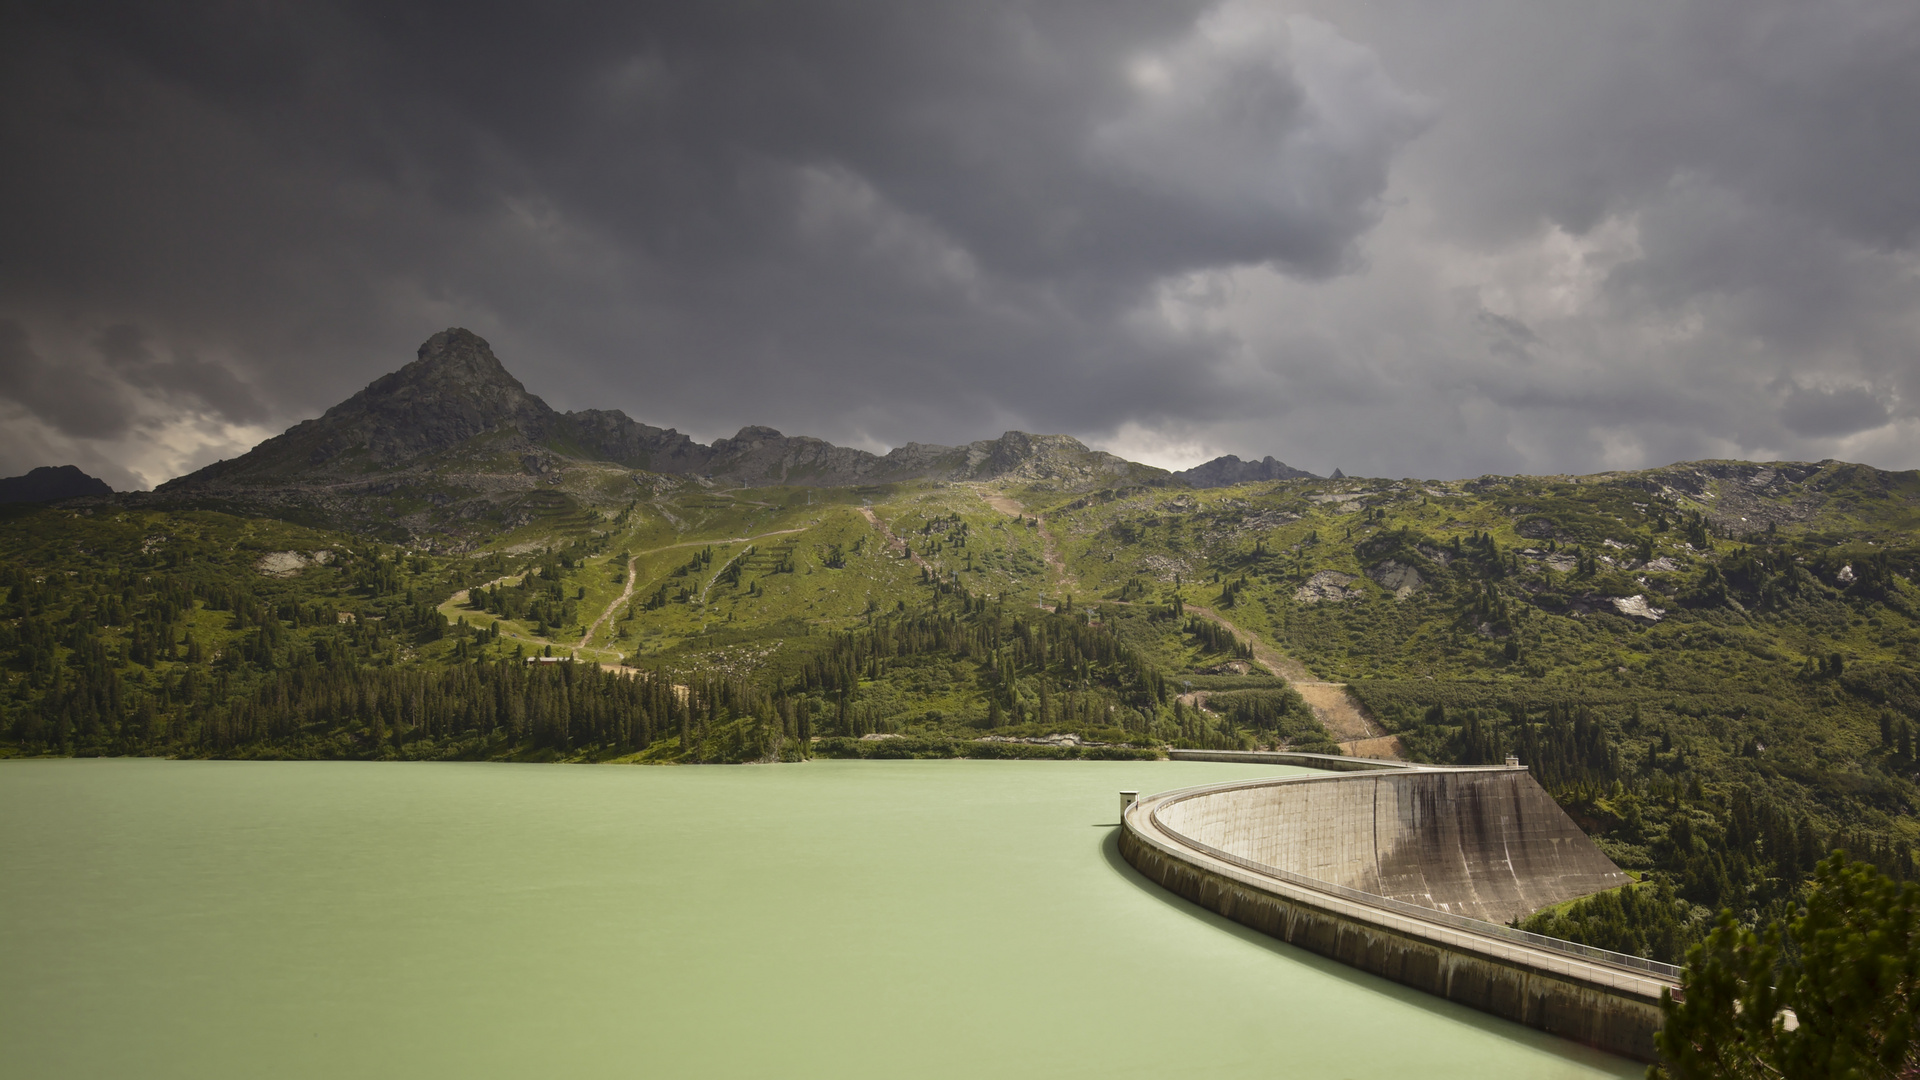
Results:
456 389
1230 470
455 363
51 483
754 433
457 357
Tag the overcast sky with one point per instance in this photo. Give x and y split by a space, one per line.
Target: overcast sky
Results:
1399 237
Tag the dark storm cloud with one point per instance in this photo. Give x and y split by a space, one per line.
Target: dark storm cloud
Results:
1687 203
184 378
909 222
75 402
1818 412
1576 111
1494 236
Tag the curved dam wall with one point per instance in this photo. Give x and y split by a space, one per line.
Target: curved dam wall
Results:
1388 870
1487 844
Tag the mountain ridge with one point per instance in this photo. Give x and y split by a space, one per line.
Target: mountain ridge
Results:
1228 470
456 428
452 444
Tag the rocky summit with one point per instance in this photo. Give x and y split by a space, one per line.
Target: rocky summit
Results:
456 391
1230 470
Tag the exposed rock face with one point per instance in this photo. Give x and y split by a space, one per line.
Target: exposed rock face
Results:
1055 458
1325 585
1748 496
289 563
759 456
1398 578
1229 470
455 390
51 483
1636 607
609 435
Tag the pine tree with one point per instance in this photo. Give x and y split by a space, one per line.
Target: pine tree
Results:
1848 967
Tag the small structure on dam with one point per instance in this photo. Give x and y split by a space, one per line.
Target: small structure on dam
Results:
1410 872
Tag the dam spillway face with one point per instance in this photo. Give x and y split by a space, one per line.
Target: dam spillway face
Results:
1412 873
1489 845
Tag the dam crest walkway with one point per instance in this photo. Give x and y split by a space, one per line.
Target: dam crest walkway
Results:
1408 871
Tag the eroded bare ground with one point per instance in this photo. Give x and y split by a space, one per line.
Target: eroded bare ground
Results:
1049 548
1331 702
898 545
1386 746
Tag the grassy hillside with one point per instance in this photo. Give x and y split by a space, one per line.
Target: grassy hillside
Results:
1715 667
204 633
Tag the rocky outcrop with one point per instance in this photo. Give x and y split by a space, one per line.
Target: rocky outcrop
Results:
610 435
760 456
1325 585
51 483
1229 470
1397 578
1057 459
283 564
1636 607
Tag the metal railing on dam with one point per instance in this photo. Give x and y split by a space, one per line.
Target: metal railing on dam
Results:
1604 998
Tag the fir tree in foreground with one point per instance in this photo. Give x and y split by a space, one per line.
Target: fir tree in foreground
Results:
1848 968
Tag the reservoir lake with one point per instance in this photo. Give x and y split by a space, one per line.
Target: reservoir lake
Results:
826 919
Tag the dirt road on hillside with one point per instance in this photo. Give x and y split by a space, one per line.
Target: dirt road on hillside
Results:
893 541
1331 702
625 595
1049 547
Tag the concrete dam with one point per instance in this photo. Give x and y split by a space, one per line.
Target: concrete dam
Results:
1410 872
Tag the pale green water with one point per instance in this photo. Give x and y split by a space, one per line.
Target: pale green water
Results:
832 919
